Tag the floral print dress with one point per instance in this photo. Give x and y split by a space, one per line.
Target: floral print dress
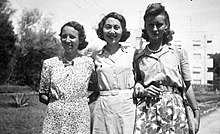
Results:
70 113
166 114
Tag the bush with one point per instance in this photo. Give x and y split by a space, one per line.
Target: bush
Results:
20 100
15 89
202 88
205 93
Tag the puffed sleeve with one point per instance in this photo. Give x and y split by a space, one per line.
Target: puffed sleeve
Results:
184 64
45 78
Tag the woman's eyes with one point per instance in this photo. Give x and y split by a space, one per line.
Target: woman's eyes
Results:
157 25
66 35
116 27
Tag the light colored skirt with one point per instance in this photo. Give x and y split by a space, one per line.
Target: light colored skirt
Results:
113 114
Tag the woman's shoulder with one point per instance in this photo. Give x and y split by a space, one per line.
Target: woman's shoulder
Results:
181 51
51 60
128 49
138 53
86 58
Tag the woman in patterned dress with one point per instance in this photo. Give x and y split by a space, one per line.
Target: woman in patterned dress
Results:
65 79
114 111
161 71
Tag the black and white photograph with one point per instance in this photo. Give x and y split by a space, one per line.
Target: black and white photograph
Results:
109 67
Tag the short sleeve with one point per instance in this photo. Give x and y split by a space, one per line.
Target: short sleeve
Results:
184 64
45 78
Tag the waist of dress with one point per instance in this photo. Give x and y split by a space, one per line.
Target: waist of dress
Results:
170 89
116 92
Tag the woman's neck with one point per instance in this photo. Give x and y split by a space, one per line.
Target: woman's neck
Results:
155 44
70 56
112 48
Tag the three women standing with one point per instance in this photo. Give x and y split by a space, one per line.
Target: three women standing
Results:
160 73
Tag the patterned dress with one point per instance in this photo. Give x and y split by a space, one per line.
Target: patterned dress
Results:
166 114
70 113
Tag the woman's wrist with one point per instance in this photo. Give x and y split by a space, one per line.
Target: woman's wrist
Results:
196 112
196 109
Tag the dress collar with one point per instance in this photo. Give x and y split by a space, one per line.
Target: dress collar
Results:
145 52
103 51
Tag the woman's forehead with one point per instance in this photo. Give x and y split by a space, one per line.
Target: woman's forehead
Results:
112 20
159 17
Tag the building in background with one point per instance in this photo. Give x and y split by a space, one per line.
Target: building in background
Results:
198 45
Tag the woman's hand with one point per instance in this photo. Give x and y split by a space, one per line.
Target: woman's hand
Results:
44 98
150 91
138 90
56 93
197 120
153 91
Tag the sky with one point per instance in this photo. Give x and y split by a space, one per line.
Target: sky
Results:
185 15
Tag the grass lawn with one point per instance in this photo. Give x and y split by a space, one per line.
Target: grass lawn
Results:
22 120
29 119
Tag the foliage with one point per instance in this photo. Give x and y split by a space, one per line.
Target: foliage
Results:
202 88
36 43
14 89
20 100
205 93
7 41
215 70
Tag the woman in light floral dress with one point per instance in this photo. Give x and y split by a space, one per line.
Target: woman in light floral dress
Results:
65 80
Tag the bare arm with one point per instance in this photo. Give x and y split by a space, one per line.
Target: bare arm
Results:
190 95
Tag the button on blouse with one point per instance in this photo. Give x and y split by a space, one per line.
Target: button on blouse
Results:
115 72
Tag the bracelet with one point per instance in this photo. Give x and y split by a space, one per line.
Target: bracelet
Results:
196 109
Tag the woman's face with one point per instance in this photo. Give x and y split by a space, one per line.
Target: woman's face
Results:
112 30
70 39
156 26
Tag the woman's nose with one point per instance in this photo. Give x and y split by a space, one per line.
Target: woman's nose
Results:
112 30
68 39
155 28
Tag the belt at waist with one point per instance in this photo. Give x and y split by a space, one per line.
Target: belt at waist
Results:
116 92
170 89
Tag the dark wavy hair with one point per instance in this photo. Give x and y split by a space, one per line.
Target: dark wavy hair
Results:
154 10
125 33
82 36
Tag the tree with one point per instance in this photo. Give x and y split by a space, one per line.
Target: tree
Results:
7 41
37 43
215 70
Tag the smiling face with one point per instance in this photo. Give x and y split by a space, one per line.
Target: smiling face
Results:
70 39
155 26
112 30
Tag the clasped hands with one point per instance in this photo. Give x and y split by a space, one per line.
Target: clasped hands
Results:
56 93
150 91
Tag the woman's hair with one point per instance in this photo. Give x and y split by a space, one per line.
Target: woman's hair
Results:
82 36
125 33
154 10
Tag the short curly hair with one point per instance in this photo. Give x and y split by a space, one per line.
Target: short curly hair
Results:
82 36
125 33
154 10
